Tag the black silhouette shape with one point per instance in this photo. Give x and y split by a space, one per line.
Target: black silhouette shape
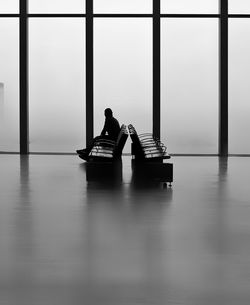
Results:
148 154
109 144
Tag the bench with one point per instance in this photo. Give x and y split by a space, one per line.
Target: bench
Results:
105 150
104 160
148 155
146 147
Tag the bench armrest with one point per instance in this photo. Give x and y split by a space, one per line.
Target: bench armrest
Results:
95 152
145 134
104 142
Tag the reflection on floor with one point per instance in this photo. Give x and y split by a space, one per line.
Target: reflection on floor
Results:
66 241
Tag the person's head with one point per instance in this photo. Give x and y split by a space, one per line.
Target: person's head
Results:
108 113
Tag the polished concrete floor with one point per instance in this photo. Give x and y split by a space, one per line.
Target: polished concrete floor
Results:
66 241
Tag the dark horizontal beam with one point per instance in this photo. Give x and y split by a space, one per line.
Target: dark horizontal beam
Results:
43 15
239 15
190 15
56 15
9 15
124 15
93 15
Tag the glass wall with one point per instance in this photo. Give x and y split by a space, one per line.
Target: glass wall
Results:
56 6
57 84
239 6
9 6
190 6
9 85
239 89
123 7
189 97
123 71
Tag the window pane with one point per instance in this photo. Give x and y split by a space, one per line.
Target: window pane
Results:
57 6
9 85
189 99
9 6
189 6
123 72
239 91
123 6
239 6
57 84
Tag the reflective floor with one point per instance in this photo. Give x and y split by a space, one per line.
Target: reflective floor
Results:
66 241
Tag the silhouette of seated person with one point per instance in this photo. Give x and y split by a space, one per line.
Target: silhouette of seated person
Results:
110 131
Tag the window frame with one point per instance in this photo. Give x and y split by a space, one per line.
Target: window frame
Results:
223 17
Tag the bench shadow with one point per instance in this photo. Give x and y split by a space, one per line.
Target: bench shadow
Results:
109 175
103 174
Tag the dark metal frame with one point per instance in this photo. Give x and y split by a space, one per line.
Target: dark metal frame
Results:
156 16
157 68
223 72
89 72
23 74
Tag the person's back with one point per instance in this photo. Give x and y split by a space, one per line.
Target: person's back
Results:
112 128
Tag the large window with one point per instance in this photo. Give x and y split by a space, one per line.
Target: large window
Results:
239 6
189 100
57 84
189 6
9 85
239 90
123 71
9 6
56 6
159 64
123 7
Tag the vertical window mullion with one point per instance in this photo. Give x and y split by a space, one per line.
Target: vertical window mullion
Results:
223 106
89 72
156 68
24 125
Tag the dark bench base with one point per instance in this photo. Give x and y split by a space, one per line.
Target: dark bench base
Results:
104 171
152 171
